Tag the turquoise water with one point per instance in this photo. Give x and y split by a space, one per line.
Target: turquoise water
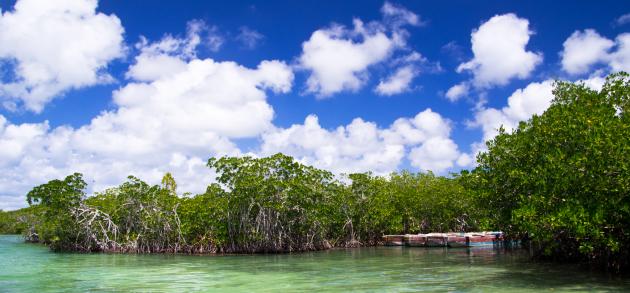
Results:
33 268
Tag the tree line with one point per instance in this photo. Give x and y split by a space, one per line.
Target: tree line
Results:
560 181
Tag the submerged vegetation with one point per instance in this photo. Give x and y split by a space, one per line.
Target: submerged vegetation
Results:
560 180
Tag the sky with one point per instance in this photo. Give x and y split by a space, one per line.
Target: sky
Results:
117 88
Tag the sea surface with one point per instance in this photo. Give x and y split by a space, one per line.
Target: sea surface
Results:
34 268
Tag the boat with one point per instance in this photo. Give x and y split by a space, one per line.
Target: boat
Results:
436 240
481 239
394 240
453 240
415 239
472 239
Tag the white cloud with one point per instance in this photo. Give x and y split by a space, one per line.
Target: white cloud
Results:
338 58
170 55
150 67
465 160
398 82
435 154
620 58
163 121
362 146
595 82
457 91
338 63
535 98
249 37
500 54
353 148
583 49
55 46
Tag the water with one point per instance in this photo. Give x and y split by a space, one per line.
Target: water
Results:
33 268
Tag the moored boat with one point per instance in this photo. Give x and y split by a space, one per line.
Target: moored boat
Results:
415 239
481 239
456 240
394 240
436 240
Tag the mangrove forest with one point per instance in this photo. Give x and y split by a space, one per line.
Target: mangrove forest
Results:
559 182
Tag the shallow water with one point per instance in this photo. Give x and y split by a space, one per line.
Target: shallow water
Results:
33 268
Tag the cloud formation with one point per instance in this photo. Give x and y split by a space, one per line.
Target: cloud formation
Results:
338 58
500 53
362 146
584 50
55 46
457 91
398 82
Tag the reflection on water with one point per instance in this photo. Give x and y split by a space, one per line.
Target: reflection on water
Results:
32 268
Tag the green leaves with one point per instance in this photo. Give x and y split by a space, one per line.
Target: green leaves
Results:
59 194
274 203
563 176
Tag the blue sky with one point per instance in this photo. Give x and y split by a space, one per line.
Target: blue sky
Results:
129 87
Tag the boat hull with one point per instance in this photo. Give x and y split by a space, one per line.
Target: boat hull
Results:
481 240
436 241
393 240
415 240
457 241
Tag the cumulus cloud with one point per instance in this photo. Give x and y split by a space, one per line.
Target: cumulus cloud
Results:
362 146
437 154
584 50
620 58
535 98
500 54
338 63
407 68
338 58
398 82
163 121
54 46
457 91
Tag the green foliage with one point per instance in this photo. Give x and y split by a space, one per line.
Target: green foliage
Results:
54 204
145 216
15 222
58 195
204 220
409 203
273 203
564 177
168 183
